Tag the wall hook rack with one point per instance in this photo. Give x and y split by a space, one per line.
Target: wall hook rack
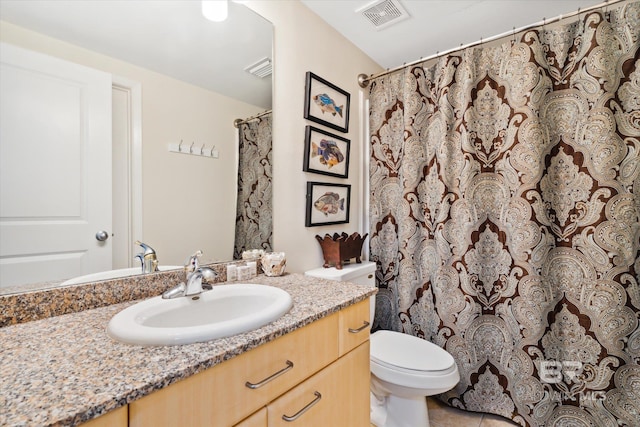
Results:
194 149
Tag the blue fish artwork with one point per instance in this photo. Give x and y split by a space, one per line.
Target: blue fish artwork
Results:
327 104
329 152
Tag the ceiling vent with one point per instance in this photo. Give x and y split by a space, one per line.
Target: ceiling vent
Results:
262 68
383 13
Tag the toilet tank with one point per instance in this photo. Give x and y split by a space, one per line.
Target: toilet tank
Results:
361 274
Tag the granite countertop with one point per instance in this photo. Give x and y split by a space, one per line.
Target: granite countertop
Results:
65 370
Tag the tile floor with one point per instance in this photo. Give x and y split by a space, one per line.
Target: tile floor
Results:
441 415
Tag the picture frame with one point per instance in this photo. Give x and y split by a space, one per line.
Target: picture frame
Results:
327 204
326 103
325 153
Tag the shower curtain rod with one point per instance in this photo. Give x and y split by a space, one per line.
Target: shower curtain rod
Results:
238 122
364 79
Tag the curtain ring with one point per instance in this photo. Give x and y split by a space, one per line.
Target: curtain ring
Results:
513 40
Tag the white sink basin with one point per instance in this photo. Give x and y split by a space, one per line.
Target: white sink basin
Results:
113 274
221 312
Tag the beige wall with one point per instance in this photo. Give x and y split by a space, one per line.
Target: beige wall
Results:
188 201
304 42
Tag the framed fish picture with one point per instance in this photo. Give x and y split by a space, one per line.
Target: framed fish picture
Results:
325 153
326 103
327 204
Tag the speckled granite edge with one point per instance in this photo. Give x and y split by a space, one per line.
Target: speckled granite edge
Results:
65 370
55 301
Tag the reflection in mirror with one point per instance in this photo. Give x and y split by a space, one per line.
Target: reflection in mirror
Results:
176 77
254 215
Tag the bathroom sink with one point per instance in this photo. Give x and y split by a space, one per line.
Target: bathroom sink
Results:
224 311
113 274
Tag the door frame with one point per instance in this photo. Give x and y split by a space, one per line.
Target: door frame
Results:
134 90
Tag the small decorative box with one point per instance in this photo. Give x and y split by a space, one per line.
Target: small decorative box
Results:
341 247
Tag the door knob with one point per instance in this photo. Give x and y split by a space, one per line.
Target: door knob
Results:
102 236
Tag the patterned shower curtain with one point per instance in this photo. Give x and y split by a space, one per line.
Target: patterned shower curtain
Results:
254 208
505 200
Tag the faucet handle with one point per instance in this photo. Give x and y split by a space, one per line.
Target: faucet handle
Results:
148 250
193 263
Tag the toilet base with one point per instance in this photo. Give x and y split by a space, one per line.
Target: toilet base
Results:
394 411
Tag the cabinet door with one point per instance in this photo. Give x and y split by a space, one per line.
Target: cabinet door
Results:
116 418
354 326
336 396
259 419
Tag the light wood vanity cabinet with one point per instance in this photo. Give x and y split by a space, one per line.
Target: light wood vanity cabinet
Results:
353 328
115 418
336 396
256 388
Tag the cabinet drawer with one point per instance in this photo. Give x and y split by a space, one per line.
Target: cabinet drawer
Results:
336 396
220 396
354 326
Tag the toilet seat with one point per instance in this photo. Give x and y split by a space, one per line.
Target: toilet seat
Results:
406 352
410 361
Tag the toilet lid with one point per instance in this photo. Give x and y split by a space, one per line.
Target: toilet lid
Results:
408 352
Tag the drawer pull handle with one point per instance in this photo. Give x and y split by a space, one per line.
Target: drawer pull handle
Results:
360 329
303 410
253 386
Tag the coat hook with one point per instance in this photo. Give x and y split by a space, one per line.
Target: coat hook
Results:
202 150
191 148
211 151
180 146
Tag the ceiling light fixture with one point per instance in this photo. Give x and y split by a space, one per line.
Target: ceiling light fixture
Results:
215 10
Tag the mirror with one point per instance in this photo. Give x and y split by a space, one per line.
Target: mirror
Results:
184 65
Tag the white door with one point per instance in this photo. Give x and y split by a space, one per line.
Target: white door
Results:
55 168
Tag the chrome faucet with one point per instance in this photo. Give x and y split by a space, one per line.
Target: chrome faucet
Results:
194 280
193 285
148 259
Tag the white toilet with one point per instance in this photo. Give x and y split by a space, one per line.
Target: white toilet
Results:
404 369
